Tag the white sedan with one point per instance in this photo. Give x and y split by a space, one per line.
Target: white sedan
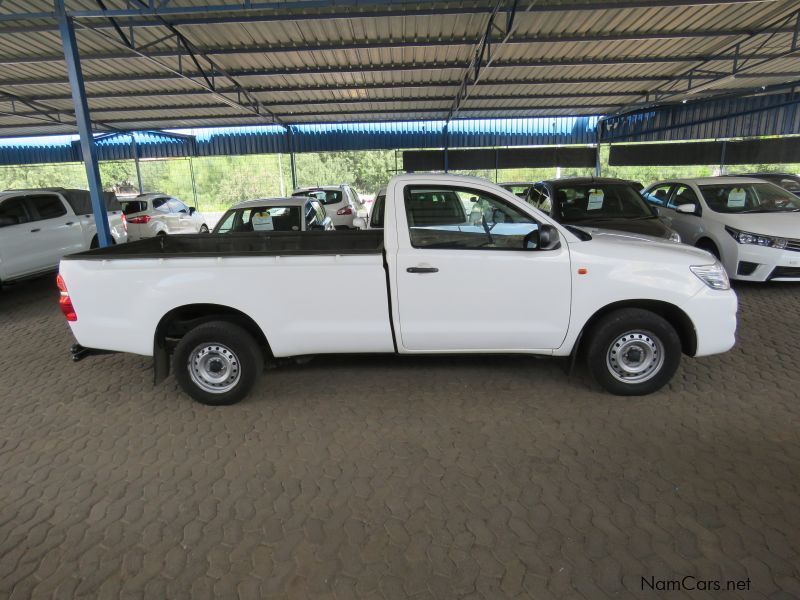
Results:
752 226
150 215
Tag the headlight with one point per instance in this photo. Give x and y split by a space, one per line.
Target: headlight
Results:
714 276
675 237
744 237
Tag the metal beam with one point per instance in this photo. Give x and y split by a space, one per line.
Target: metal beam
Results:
350 87
171 73
527 40
360 102
84 123
246 12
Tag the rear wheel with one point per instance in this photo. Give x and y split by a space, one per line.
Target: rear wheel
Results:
217 363
633 352
203 229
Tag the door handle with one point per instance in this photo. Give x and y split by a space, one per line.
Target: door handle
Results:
422 270
70 223
35 230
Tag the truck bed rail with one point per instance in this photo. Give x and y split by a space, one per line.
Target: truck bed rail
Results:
276 243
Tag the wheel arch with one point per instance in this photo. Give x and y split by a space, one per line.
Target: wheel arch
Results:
178 321
672 314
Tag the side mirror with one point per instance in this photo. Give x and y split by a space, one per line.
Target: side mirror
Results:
192 210
362 213
544 238
548 238
654 210
6 221
687 209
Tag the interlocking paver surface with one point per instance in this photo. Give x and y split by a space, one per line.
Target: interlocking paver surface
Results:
388 477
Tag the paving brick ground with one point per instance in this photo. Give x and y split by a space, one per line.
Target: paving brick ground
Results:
397 478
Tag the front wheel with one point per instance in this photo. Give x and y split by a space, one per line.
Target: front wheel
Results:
633 352
217 363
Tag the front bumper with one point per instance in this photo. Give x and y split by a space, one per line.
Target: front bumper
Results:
713 314
756 263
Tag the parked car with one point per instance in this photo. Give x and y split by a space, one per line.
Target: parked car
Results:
751 225
38 227
785 180
461 266
600 203
341 202
518 188
298 213
150 215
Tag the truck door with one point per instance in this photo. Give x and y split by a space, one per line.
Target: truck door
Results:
469 277
17 243
57 229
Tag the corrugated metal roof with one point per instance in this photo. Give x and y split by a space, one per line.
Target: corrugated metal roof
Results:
356 61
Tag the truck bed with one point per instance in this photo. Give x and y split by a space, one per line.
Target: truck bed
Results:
277 243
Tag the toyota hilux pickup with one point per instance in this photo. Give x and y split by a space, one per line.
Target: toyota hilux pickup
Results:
449 264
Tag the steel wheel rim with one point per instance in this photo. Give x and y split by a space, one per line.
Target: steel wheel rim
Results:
635 357
214 368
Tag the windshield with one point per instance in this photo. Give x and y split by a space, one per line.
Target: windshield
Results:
324 196
749 198
520 189
599 201
130 207
261 218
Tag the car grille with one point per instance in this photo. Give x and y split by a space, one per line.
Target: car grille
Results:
780 272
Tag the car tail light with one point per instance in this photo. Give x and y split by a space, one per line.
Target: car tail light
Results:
347 210
65 302
124 223
143 220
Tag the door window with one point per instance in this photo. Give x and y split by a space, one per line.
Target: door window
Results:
465 219
320 210
176 206
13 212
160 204
544 201
659 195
311 216
378 209
683 195
47 206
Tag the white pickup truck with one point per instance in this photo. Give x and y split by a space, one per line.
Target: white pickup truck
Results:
38 227
451 265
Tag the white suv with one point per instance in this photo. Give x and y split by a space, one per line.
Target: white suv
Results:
341 202
751 225
150 215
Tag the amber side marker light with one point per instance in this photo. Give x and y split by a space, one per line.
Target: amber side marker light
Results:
65 302
583 271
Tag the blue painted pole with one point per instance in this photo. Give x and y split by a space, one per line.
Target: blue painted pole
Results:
67 30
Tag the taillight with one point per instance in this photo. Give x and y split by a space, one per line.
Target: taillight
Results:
347 210
64 301
143 220
124 223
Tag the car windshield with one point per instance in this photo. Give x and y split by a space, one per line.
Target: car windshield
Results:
324 196
599 201
130 207
520 189
749 198
260 218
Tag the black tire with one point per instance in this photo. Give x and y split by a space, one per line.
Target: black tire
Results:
650 337
95 243
245 364
708 246
161 233
203 229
